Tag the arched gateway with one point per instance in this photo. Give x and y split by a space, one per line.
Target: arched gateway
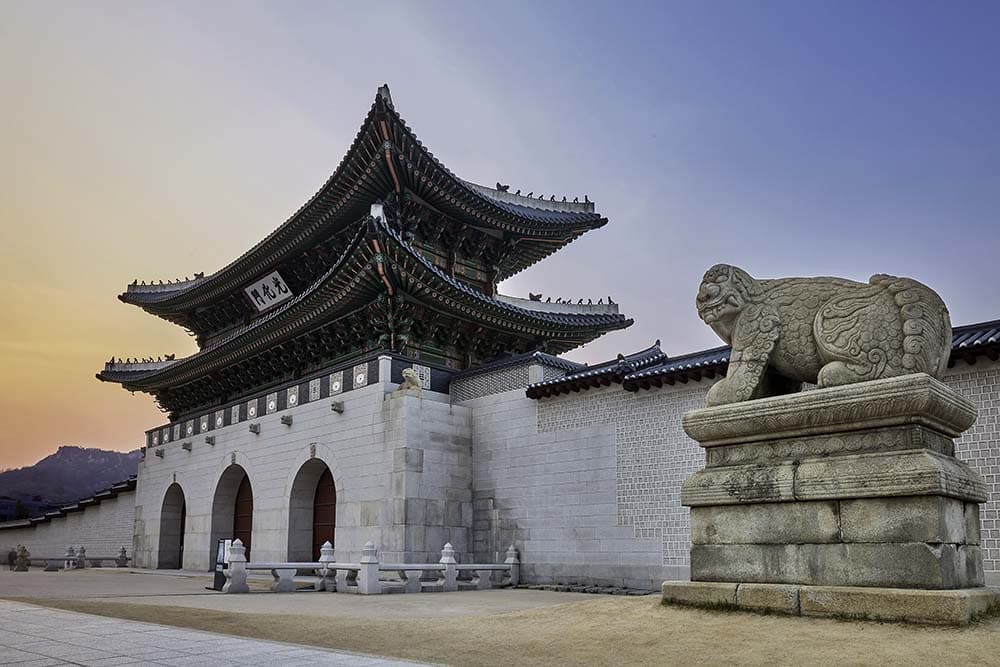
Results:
232 509
312 514
172 519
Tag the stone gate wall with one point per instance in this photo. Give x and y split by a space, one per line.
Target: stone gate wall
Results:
588 484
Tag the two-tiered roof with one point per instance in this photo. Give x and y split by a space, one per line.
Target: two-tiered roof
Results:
393 253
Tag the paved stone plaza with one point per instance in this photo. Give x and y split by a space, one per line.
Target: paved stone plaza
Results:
187 589
38 637
496 628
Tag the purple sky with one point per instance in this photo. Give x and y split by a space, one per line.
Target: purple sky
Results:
790 138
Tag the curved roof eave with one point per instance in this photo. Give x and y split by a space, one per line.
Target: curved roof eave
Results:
272 327
523 219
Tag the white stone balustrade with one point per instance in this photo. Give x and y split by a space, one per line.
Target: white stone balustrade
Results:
364 577
236 575
69 563
76 558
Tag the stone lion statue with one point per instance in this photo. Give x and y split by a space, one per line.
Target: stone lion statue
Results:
827 331
410 379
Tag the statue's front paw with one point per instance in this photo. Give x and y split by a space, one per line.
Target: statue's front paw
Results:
721 393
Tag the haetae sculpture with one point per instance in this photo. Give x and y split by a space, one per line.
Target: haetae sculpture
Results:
828 331
410 380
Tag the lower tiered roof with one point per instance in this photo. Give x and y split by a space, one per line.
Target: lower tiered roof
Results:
381 294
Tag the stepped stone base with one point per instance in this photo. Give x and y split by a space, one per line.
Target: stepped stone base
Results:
838 501
947 607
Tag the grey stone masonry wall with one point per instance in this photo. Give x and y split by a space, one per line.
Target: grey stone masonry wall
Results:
588 484
653 455
980 448
103 529
550 477
357 446
432 475
400 461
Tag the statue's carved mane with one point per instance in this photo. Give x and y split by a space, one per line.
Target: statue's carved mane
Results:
826 330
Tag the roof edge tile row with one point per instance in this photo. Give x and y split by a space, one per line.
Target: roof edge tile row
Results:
969 342
106 494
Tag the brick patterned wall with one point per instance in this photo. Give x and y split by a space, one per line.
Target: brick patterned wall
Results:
497 382
486 384
653 455
103 529
980 448
549 373
548 476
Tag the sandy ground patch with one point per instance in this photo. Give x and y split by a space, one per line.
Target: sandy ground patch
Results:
189 590
597 631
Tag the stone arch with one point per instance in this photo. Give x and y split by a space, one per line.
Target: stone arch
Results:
312 510
173 517
324 453
229 509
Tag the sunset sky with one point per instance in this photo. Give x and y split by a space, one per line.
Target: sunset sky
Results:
154 140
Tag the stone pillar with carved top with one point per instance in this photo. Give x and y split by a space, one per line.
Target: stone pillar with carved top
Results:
846 500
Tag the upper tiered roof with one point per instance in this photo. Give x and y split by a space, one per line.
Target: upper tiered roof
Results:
393 253
386 162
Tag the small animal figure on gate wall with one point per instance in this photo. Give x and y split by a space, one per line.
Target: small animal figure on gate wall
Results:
410 380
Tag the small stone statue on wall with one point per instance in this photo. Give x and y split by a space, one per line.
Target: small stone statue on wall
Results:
411 381
828 331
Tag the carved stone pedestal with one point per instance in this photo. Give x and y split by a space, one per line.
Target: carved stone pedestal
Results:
853 489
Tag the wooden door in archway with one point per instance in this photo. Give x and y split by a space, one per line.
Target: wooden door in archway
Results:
324 512
180 543
243 514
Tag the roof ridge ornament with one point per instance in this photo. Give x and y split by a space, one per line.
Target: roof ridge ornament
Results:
383 92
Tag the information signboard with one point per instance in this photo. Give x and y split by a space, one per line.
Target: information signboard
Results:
221 563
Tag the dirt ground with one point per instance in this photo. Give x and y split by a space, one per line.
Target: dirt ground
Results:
601 630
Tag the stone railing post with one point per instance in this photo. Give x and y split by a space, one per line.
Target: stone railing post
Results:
81 557
515 565
368 575
326 583
413 584
23 559
484 579
122 560
450 569
284 580
70 562
236 575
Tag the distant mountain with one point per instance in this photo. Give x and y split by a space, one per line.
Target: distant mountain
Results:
70 474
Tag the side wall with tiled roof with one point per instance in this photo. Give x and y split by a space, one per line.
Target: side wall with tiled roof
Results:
103 529
587 484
